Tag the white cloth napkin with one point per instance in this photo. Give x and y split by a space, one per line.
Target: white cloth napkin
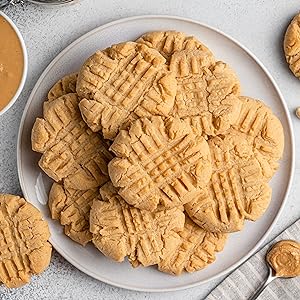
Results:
244 281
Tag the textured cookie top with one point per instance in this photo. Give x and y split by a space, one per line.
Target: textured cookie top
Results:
62 87
71 151
291 45
159 161
263 130
208 91
237 189
195 251
72 208
169 42
120 230
126 81
24 248
205 87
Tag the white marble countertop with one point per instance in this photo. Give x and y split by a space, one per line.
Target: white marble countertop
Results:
258 24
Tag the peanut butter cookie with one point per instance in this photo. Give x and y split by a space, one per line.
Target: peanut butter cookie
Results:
159 161
72 153
72 209
126 81
169 42
195 251
237 189
291 45
263 130
64 86
24 241
120 230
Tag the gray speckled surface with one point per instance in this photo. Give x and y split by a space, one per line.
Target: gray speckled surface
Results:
257 24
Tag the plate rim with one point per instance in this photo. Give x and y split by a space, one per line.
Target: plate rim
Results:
289 127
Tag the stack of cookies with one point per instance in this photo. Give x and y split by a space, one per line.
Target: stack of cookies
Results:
155 154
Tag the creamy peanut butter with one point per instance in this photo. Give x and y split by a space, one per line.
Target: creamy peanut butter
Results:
284 258
11 62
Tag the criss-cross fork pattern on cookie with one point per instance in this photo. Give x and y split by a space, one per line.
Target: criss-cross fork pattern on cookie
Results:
128 80
195 251
72 208
71 151
237 189
24 247
120 230
159 161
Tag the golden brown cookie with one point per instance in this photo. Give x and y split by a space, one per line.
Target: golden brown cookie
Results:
159 161
291 45
72 209
64 86
169 42
263 130
237 190
120 230
24 241
208 91
72 153
195 251
126 81
205 87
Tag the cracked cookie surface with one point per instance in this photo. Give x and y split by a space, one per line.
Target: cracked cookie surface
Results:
24 241
64 86
125 81
120 230
206 88
195 251
291 45
237 189
72 209
263 130
159 161
72 153
169 42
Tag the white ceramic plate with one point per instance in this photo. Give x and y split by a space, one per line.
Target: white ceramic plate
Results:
255 81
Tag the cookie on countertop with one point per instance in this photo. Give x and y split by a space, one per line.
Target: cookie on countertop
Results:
72 209
291 45
195 251
125 81
64 86
237 189
72 153
159 161
24 235
120 230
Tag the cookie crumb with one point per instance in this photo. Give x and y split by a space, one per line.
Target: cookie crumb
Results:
298 112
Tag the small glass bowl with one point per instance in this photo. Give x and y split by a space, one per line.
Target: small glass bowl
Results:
25 64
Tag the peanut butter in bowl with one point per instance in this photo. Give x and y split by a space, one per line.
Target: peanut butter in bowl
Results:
13 63
284 258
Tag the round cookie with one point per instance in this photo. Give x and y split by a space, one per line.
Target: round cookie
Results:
168 42
64 86
206 88
125 81
195 251
159 161
72 153
263 130
72 209
237 189
120 230
24 241
291 45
